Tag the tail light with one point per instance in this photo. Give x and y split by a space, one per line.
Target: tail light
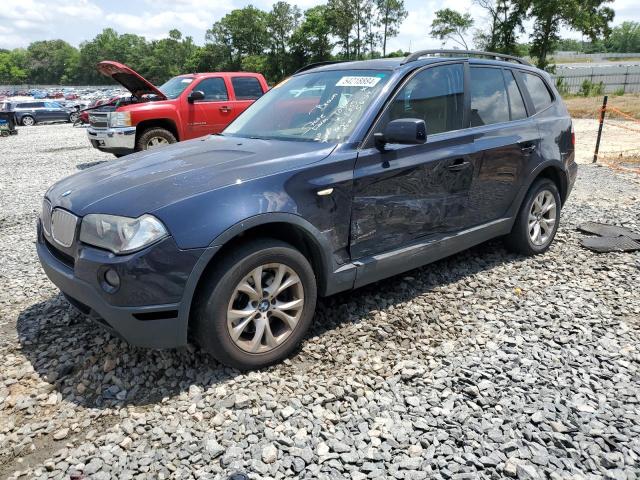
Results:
573 136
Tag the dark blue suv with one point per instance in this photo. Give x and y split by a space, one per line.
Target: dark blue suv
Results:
341 175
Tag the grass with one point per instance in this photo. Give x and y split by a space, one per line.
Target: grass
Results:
587 107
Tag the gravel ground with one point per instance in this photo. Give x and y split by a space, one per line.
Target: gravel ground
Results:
483 365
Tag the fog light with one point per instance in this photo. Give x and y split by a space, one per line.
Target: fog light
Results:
112 278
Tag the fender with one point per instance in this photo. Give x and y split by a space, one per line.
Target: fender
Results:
533 175
336 278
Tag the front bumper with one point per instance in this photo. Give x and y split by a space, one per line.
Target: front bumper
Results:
155 325
120 141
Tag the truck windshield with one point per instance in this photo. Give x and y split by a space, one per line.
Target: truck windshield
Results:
313 107
174 87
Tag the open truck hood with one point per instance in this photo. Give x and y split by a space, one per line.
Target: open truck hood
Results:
129 79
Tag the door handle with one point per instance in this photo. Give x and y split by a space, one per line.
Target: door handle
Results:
225 109
458 165
527 148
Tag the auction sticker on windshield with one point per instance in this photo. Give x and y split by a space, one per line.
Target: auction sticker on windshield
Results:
366 82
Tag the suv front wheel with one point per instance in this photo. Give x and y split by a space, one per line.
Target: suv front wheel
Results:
256 306
538 219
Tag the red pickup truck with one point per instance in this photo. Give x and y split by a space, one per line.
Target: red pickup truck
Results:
186 106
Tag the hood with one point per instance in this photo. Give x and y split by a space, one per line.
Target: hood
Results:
147 181
129 79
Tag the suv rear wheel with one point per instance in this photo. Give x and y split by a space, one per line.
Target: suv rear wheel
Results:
256 306
154 138
538 219
28 121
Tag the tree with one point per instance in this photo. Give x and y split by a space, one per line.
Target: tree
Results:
505 19
167 57
590 17
242 32
48 61
624 38
451 25
282 22
392 14
129 49
13 69
341 16
311 42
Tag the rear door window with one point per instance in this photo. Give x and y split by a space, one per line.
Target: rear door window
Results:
516 103
538 91
246 88
489 103
214 89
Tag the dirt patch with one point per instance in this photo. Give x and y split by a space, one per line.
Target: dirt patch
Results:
620 140
588 107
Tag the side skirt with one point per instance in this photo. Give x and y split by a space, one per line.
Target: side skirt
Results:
384 265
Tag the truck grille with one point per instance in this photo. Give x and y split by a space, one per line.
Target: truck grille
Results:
99 120
63 227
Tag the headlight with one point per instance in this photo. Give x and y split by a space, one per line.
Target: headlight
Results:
121 234
120 119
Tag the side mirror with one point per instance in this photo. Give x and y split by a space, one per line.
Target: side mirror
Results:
404 131
195 95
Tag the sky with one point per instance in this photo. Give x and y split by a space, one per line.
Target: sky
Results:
24 21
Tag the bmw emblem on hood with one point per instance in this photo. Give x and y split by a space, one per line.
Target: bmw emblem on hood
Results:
66 193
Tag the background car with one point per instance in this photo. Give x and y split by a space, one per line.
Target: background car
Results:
30 113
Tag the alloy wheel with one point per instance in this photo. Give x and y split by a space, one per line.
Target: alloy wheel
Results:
542 218
156 142
28 121
265 308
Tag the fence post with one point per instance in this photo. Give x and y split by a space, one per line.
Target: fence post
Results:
602 113
626 80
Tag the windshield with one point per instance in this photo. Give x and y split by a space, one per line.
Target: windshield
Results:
313 107
174 87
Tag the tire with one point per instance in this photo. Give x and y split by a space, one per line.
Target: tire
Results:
148 137
28 121
73 117
523 238
220 297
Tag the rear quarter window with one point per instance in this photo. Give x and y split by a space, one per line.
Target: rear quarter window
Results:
246 88
538 91
516 103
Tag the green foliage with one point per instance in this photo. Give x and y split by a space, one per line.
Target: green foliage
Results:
312 41
51 59
624 38
591 89
391 15
590 17
451 25
13 66
505 23
618 92
562 86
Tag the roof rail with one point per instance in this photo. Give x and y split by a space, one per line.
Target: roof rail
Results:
316 64
412 57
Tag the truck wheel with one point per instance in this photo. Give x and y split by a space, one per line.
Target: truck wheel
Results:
256 306
537 221
154 138
28 121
